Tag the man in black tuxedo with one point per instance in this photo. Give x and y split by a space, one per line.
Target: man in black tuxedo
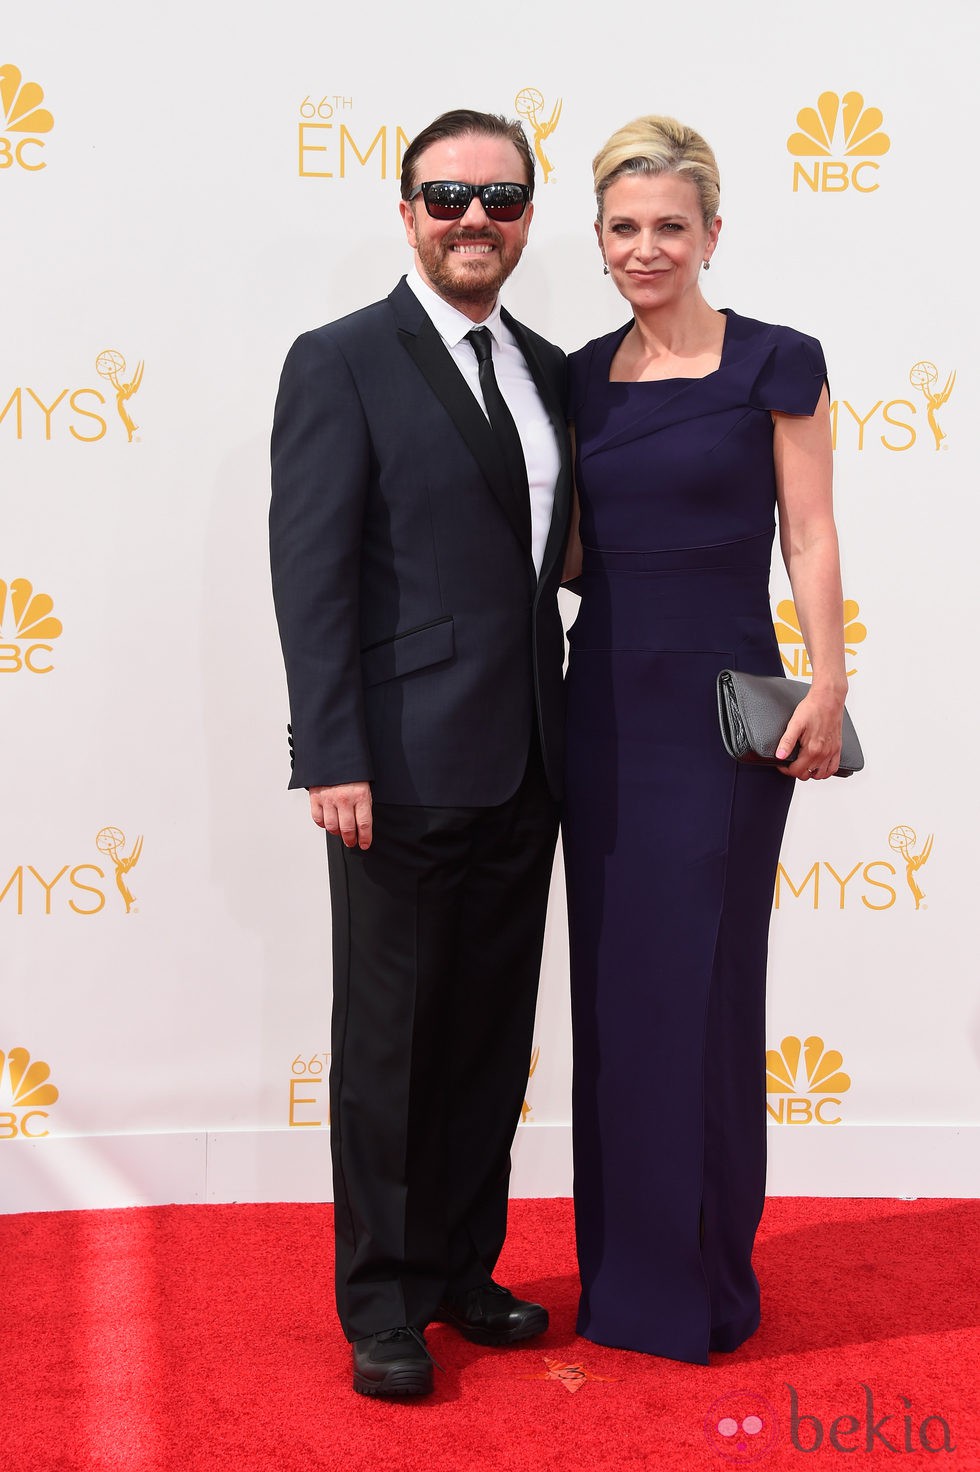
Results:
421 490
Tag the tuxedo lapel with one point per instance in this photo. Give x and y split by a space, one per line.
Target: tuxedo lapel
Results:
422 342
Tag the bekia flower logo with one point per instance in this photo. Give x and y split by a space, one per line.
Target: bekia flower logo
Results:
741 1425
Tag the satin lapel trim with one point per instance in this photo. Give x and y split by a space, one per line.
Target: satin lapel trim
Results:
561 507
427 349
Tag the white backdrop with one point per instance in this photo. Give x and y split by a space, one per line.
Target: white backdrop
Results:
191 191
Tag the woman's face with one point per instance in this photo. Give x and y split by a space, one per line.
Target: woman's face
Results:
653 238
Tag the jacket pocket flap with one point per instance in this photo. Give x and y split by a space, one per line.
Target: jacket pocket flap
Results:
413 650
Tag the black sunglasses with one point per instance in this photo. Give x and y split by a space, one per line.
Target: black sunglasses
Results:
445 199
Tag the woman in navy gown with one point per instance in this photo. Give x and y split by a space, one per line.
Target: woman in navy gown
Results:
693 428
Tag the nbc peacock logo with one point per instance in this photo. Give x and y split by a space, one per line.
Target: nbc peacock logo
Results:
24 119
25 1090
789 636
840 138
27 625
807 1081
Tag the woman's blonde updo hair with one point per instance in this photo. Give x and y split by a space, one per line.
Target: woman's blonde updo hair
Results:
655 145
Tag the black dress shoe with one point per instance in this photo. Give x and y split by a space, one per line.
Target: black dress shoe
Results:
492 1315
392 1363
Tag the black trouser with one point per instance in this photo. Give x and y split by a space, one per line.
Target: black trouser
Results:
437 935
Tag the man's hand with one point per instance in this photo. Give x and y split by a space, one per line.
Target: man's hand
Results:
345 809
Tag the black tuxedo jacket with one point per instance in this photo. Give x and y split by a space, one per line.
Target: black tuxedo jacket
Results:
419 646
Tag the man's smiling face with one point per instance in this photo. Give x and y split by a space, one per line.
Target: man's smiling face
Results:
467 260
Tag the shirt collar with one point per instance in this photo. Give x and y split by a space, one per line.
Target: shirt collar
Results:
451 324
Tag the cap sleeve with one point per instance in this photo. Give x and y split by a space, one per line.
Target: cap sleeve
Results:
793 376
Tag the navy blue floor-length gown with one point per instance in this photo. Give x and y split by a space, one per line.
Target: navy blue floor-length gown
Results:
670 847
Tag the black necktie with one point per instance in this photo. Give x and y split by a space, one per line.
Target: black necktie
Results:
501 421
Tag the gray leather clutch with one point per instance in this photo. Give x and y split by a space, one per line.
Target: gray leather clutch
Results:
754 711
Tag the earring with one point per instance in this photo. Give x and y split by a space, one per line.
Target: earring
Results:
605 269
706 265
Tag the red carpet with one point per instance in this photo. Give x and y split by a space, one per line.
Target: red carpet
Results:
204 1339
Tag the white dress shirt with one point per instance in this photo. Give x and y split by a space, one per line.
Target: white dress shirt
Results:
517 386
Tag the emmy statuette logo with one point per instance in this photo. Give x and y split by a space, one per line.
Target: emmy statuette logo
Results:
74 885
23 118
24 1090
833 134
872 884
111 841
530 105
31 415
923 376
821 1078
27 618
111 366
332 149
892 423
902 840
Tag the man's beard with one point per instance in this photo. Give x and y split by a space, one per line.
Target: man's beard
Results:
465 278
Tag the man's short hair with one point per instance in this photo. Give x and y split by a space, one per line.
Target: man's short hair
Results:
460 123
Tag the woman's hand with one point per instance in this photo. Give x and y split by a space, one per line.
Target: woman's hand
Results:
815 726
